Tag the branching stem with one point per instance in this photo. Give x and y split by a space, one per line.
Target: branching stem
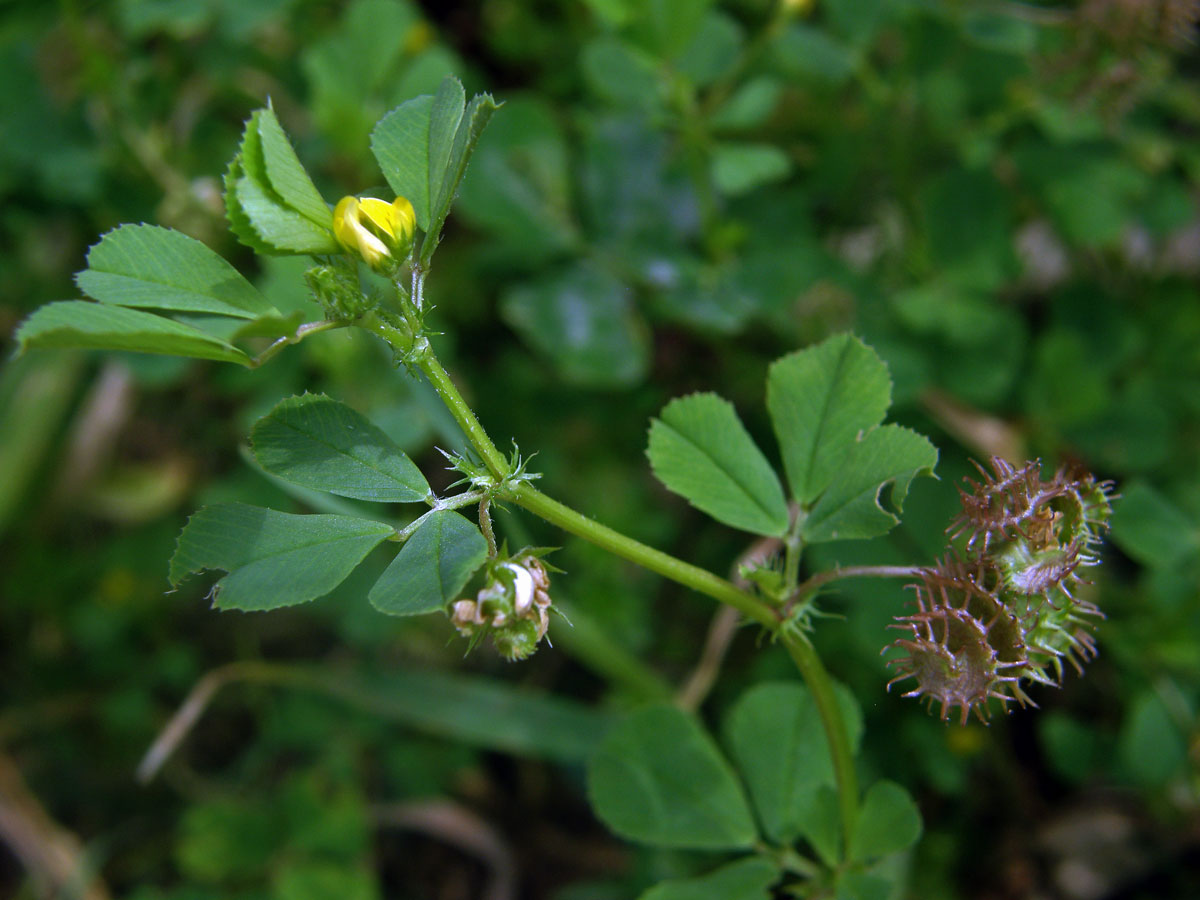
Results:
822 578
523 494
455 502
699 580
295 337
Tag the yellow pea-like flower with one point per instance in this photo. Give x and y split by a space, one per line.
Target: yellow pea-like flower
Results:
374 229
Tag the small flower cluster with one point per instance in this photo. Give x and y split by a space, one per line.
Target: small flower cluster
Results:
1003 611
513 607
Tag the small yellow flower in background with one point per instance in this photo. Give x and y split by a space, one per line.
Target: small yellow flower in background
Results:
376 230
797 7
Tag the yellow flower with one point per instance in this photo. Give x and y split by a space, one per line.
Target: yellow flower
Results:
797 7
374 229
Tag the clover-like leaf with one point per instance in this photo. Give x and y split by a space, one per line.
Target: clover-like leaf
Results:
317 442
270 202
273 559
149 267
423 147
888 821
432 566
659 778
849 508
79 323
774 734
701 451
820 399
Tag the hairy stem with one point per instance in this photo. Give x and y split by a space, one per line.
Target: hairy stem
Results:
819 683
440 379
458 500
485 525
699 580
576 523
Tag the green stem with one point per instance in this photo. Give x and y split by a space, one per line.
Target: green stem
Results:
459 500
700 580
822 578
296 337
440 379
485 525
793 544
819 683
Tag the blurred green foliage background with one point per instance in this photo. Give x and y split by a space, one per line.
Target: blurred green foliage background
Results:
1000 197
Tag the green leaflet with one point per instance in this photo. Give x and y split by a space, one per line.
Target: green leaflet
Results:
888 822
286 175
473 121
775 736
826 404
423 147
282 229
270 202
432 566
701 451
319 443
400 142
78 323
821 825
273 559
849 508
659 778
156 268
445 116
819 400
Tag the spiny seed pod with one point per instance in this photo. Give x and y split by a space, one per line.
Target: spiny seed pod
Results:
1056 627
1010 503
965 646
1006 613
512 607
1038 533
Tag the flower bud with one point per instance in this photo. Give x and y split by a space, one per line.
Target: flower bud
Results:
378 231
